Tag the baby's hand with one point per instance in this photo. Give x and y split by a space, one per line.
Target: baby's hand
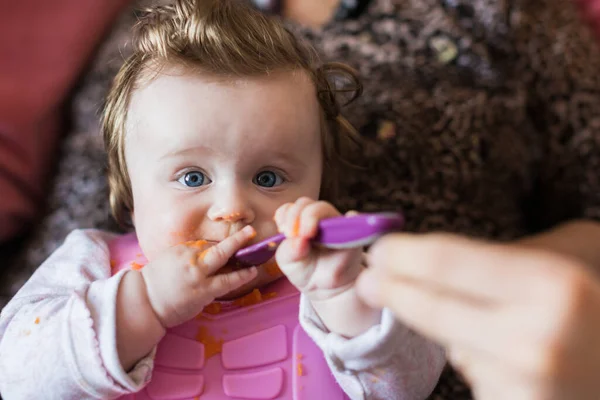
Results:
184 279
318 272
326 277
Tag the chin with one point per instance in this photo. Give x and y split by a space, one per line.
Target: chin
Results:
241 292
260 281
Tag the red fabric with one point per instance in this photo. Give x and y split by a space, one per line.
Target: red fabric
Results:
591 13
44 46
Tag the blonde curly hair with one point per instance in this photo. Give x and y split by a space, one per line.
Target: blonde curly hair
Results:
227 38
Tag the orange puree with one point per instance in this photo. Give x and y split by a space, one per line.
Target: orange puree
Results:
198 244
136 267
212 346
272 269
296 229
253 298
212 308
250 299
232 216
202 255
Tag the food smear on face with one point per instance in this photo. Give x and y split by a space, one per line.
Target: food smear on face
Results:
196 244
180 237
37 320
232 217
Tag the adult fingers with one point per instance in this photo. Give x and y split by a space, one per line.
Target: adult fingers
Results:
489 272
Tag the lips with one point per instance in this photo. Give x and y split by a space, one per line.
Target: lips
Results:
231 266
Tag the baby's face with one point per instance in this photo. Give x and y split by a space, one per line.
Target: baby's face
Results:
207 157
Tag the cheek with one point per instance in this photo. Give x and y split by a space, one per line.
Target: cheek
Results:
160 225
313 184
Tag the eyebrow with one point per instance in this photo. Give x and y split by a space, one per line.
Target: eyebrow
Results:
279 156
290 158
183 152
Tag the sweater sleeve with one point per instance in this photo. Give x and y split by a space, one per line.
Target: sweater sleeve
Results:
63 320
389 361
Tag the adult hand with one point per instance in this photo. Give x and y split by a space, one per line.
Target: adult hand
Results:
519 322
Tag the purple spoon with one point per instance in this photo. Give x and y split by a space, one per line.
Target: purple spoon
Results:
333 233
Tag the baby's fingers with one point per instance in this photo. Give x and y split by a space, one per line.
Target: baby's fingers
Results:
220 285
292 250
287 216
217 256
296 260
302 217
310 215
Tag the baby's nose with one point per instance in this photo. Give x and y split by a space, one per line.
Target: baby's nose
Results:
233 211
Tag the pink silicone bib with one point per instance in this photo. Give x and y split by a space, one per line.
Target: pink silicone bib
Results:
257 351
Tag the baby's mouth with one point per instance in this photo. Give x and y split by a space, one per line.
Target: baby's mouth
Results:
231 266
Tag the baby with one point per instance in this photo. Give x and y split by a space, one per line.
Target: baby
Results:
220 130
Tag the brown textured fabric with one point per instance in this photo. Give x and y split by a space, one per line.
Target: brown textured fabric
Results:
482 117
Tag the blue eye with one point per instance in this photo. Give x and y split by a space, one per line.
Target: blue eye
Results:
193 179
268 179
